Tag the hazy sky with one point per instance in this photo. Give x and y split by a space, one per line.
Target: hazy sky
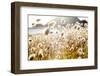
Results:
44 19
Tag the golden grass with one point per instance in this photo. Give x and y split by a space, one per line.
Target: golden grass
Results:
49 47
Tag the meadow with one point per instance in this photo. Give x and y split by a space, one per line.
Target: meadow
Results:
72 43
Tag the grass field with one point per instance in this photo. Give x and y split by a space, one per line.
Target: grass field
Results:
73 44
